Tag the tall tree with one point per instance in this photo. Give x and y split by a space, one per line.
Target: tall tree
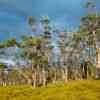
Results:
31 47
46 46
62 45
89 30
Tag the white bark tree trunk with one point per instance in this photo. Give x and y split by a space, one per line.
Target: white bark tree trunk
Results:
66 75
44 77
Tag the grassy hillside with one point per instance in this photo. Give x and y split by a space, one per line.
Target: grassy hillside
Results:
73 90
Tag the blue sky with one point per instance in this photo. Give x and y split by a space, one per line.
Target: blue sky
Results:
14 13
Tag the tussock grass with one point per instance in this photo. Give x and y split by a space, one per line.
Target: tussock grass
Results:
73 90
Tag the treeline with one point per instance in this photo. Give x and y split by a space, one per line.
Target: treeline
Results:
44 66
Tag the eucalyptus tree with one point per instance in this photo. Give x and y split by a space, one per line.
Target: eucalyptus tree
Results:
31 46
47 44
62 46
90 30
73 57
8 44
2 67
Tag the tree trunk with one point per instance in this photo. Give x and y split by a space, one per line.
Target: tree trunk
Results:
34 80
55 75
44 76
63 74
1 77
40 78
66 75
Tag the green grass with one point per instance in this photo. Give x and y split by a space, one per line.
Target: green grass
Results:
73 90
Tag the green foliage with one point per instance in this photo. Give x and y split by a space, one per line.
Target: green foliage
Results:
30 41
2 66
8 43
31 20
89 4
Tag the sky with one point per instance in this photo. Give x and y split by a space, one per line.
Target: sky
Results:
63 13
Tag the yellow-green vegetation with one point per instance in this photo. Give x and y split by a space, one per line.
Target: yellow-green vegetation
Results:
2 66
73 90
